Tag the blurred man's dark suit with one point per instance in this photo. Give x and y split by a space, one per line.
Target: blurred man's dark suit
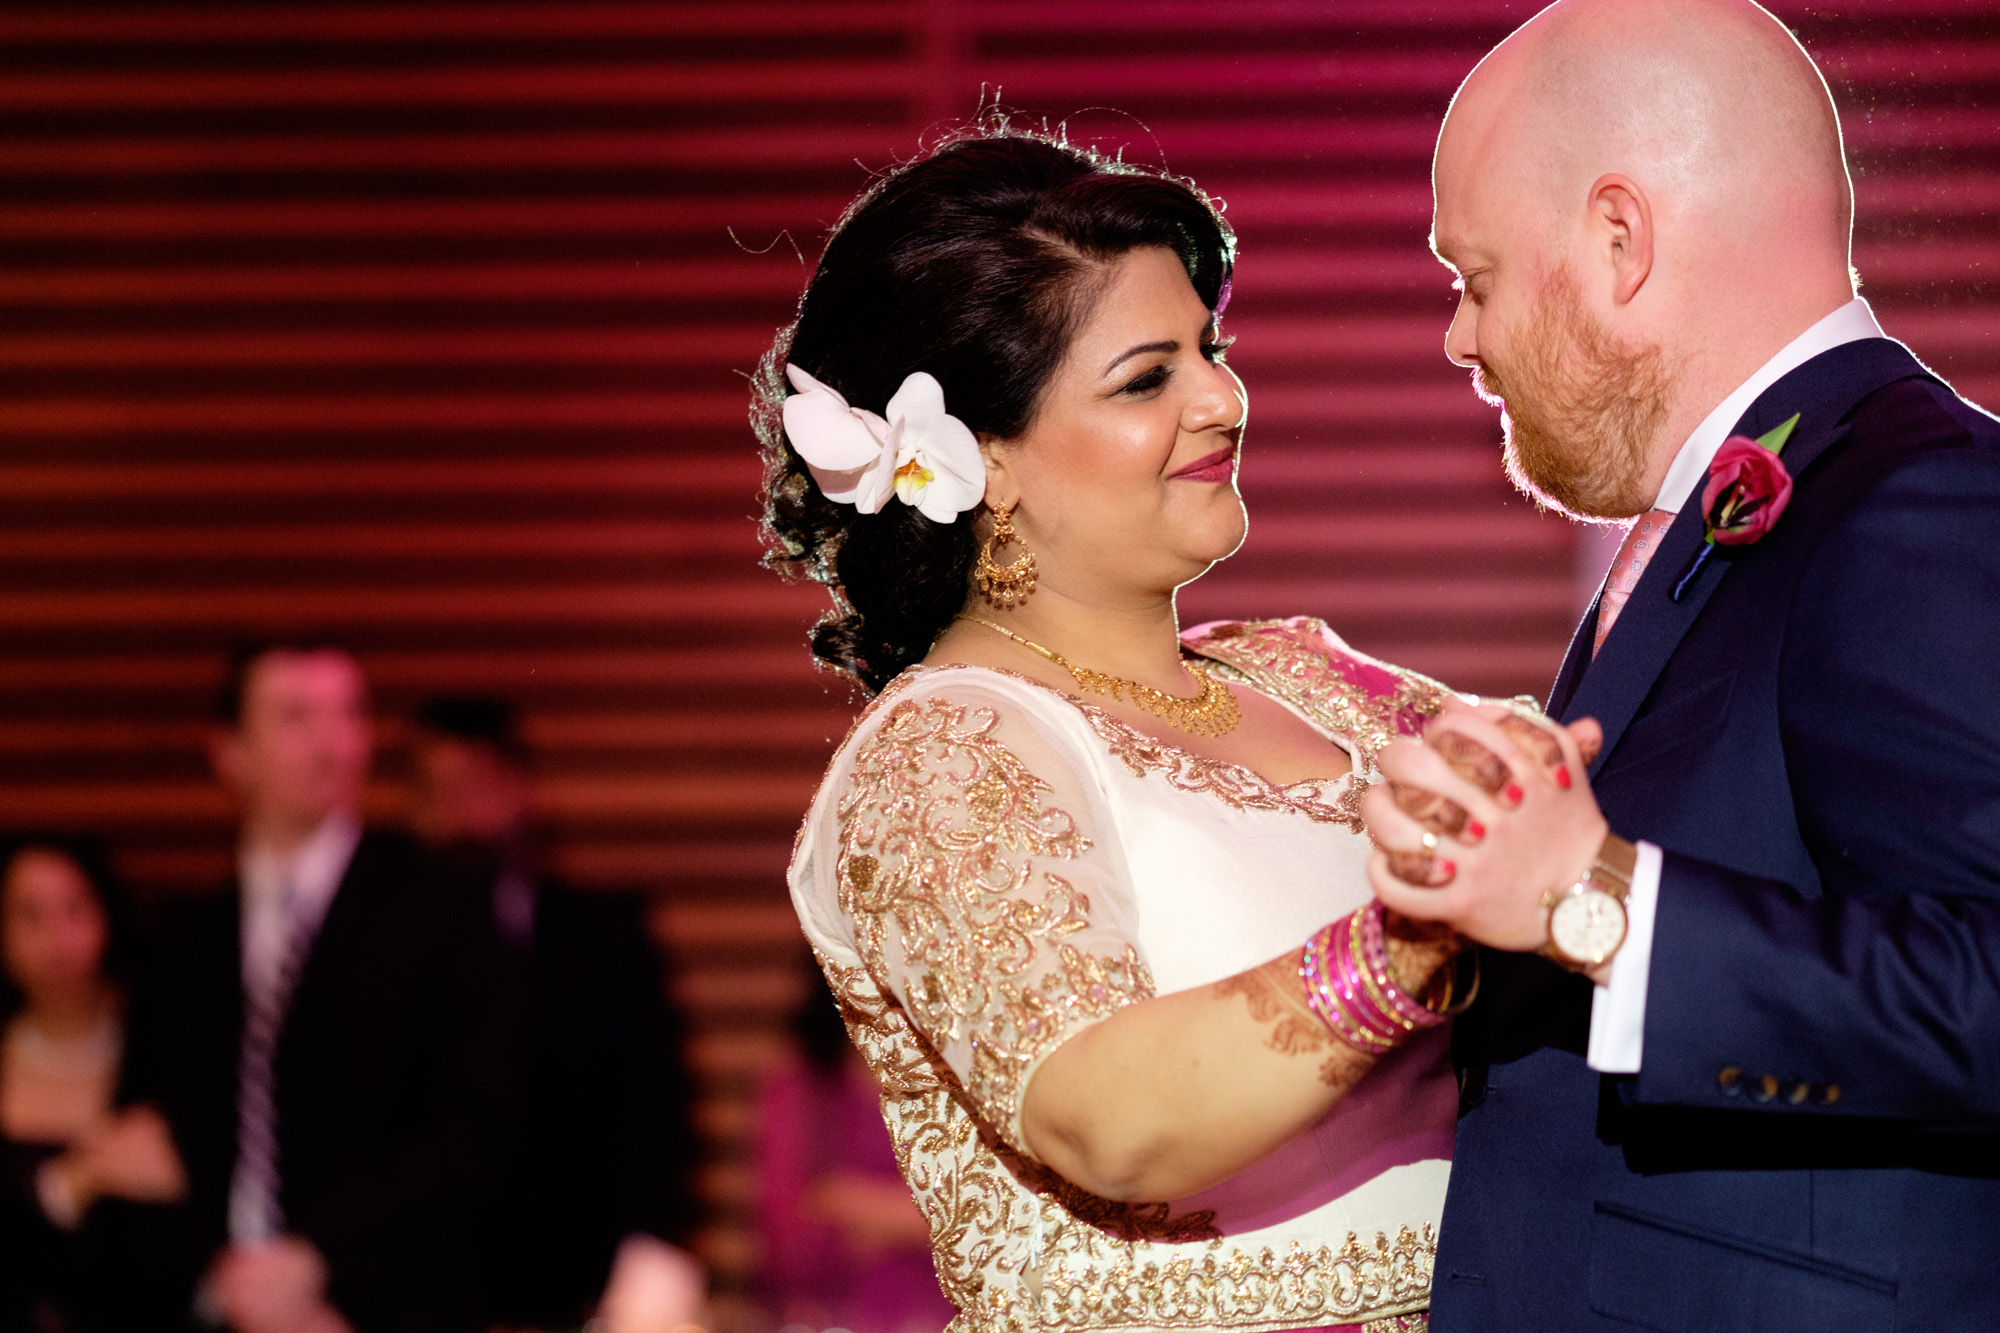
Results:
606 1146
392 1079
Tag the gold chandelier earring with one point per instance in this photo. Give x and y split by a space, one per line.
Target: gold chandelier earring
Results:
1005 585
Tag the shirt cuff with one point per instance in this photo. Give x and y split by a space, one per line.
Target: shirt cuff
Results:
1618 1011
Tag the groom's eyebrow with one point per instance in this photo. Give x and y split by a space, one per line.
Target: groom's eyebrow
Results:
1141 350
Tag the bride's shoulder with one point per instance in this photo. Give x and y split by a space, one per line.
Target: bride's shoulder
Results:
957 698
1301 661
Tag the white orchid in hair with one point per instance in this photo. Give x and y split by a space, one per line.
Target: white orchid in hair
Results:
918 453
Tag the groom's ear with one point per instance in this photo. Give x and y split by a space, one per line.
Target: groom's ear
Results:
1622 220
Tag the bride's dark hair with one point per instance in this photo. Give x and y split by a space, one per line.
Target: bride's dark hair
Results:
976 263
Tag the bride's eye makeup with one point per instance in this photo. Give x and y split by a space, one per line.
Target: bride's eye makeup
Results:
1157 376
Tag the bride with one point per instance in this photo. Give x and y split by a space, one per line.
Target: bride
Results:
1090 889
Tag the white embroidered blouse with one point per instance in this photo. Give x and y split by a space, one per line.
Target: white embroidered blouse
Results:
991 866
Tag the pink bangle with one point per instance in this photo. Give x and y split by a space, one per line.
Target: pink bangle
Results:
1371 953
1370 1004
1333 997
1348 983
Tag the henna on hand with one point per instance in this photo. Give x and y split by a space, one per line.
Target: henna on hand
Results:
1276 998
1534 739
1419 869
1421 955
1533 736
1470 760
1440 814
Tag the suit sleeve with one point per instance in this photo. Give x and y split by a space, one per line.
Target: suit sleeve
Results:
1885 987
405 1231
659 1145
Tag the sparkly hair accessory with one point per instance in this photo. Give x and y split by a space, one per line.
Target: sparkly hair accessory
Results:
919 453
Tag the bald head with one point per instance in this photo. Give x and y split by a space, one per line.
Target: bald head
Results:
1673 169
1710 104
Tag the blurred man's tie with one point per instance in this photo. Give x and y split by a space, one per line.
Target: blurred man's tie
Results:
254 1211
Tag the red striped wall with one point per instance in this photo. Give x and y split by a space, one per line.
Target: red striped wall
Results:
423 325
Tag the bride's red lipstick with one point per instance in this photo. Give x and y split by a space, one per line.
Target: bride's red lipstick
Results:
1218 466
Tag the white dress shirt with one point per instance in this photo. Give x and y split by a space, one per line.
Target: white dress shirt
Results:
1618 1011
285 898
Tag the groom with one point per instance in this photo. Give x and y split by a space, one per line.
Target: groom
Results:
1759 1085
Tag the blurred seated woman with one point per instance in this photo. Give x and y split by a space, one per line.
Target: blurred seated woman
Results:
1090 889
87 1238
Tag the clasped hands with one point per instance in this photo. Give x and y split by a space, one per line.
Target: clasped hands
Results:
1477 824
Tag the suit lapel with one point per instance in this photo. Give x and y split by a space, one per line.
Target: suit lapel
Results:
1575 660
1823 391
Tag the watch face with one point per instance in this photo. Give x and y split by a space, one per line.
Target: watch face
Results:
1588 926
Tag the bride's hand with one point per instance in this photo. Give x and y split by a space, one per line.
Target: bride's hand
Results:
1420 952
1532 733
1535 835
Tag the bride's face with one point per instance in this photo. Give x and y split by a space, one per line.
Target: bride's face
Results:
1126 479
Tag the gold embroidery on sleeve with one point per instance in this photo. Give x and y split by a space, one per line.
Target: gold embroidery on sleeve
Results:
946 846
1019 1250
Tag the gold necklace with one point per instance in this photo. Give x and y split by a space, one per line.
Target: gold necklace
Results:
1213 712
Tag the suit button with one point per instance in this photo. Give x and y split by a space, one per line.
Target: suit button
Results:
1730 1080
1798 1093
1764 1089
1830 1095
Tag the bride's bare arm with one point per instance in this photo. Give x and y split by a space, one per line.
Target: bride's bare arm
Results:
1177 1093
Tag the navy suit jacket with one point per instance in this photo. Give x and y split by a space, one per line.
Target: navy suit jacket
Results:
1812 735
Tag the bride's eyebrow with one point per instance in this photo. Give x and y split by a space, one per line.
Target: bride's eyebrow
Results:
1141 350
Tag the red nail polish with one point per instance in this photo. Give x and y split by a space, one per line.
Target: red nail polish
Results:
1513 793
1446 869
1474 829
1562 777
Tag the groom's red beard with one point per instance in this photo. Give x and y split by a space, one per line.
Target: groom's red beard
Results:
1581 411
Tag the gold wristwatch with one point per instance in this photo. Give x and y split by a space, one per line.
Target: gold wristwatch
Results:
1587 920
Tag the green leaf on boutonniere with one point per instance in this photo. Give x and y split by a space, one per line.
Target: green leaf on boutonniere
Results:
1774 438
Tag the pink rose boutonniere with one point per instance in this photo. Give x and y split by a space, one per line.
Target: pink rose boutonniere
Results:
1748 489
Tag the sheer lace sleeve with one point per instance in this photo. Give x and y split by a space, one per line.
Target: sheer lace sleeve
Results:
980 893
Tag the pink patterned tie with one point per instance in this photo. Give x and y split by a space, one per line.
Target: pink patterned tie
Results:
1636 550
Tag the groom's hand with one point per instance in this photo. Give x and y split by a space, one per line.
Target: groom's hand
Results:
1509 814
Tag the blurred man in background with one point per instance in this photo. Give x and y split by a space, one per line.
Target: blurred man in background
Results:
329 1040
599 1203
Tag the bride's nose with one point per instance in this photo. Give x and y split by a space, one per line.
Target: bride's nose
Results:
1222 401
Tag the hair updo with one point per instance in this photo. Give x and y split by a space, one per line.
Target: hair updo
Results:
977 264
